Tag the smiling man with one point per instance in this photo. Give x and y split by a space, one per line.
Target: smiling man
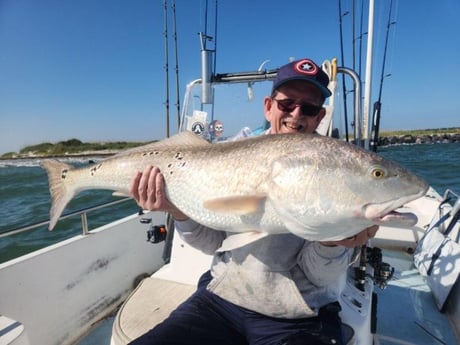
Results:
278 290
296 102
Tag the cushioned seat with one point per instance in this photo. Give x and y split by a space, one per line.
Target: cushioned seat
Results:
149 304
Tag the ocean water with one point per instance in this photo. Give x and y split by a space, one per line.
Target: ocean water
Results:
25 200
438 164
24 196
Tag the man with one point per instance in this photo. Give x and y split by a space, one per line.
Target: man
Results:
280 289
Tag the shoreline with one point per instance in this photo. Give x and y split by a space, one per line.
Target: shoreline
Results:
435 137
69 156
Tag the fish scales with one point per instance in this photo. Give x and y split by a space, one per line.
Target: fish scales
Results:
316 187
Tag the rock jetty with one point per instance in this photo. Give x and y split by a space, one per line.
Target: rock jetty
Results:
419 139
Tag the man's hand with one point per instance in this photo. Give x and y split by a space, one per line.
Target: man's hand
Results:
148 189
359 239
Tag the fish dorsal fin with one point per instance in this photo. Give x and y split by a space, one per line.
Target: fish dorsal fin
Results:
240 240
238 205
183 139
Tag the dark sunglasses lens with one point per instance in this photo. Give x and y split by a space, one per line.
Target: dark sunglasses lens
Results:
310 109
286 105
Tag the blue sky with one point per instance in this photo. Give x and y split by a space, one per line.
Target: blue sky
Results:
94 69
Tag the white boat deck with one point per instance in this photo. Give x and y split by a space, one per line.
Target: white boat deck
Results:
406 310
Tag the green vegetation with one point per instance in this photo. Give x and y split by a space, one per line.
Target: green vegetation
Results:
71 147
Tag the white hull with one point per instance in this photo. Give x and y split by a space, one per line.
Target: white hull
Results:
59 292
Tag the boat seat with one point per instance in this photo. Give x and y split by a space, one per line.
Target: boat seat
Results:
157 296
149 304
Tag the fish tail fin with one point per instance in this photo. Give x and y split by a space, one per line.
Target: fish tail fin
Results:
60 192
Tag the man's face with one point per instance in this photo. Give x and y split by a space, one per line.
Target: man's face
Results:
300 92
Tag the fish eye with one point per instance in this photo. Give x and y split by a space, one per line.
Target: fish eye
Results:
378 172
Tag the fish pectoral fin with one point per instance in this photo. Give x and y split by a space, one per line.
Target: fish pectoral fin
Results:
239 205
122 194
240 240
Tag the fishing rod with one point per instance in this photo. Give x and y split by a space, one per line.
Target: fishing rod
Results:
378 104
177 64
353 27
165 5
215 39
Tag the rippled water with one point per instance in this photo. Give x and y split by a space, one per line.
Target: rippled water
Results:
439 164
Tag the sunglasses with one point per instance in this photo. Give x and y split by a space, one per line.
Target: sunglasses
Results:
306 109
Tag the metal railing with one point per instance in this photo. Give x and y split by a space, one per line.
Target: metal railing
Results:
83 214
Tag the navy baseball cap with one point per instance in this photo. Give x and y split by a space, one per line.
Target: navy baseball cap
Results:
304 69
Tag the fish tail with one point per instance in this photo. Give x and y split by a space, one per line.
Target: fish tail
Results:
60 192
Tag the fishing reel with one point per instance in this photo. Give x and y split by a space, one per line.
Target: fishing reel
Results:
383 272
156 233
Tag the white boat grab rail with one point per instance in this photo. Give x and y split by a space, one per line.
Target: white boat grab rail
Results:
83 213
456 196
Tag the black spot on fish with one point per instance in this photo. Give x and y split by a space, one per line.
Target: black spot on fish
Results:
94 169
64 173
179 156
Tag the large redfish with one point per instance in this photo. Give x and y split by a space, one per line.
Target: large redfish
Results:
316 187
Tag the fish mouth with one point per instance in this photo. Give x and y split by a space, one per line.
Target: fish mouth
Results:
396 219
385 213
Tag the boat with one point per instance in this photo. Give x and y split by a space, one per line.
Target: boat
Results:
110 284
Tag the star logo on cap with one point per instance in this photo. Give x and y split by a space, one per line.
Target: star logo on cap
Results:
306 67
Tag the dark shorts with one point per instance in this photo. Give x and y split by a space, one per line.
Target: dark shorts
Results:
205 318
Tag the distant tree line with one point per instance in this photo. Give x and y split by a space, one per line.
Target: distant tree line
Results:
71 146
